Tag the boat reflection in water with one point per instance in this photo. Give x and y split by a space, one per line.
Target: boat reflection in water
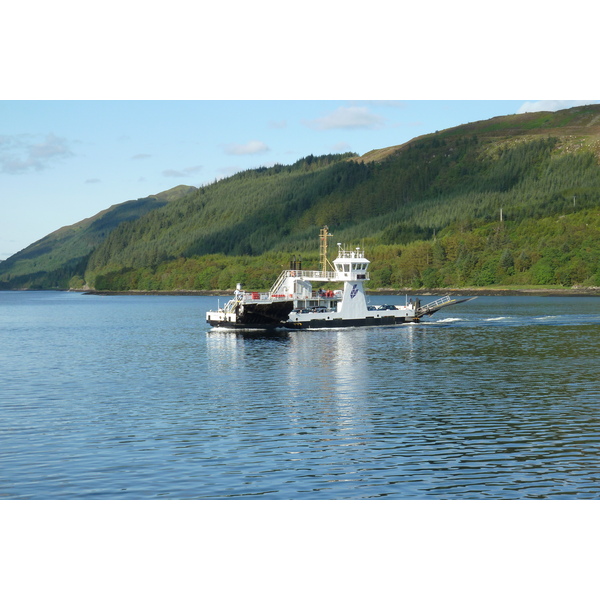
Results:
327 373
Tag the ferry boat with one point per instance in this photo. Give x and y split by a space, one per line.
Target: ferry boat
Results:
293 303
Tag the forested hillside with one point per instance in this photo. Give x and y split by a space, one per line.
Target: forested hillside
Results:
52 261
513 200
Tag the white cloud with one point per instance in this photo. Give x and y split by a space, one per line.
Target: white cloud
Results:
187 172
551 105
252 147
351 117
24 153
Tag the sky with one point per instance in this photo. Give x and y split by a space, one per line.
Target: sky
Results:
62 161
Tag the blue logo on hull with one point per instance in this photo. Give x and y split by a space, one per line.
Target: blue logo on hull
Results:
354 291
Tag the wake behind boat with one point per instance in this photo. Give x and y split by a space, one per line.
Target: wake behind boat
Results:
292 303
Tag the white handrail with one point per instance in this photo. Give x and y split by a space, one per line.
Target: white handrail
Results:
436 302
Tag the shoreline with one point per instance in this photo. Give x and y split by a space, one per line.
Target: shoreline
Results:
379 292
493 292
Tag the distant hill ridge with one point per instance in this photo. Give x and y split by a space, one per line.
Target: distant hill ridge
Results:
581 120
54 259
428 211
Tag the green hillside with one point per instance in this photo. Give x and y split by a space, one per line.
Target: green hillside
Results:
513 200
52 261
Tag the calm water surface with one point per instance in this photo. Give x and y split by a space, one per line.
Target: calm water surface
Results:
125 397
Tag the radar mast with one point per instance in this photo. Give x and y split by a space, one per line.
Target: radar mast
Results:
324 234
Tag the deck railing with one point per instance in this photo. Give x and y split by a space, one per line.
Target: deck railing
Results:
269 297
301 273
311 274
425 308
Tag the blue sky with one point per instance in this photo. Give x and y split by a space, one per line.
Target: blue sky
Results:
63 161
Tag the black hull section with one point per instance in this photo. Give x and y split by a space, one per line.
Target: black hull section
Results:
335 323
258 316
315 324
245 326
266 314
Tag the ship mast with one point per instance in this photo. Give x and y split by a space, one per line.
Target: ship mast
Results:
323 235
